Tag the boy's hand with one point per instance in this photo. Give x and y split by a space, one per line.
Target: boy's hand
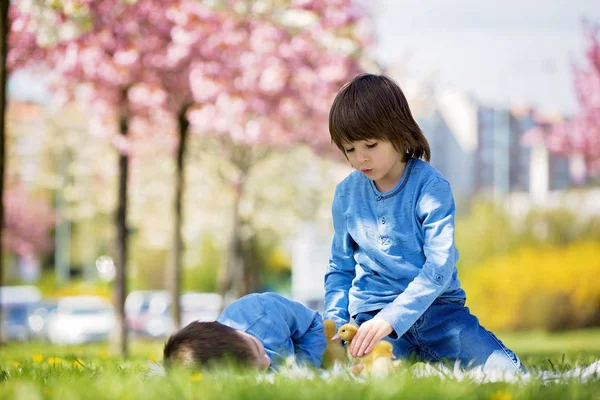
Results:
368 334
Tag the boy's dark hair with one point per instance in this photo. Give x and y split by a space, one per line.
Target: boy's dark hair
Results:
374 107
205 344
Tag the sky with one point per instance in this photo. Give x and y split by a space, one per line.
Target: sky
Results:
504 53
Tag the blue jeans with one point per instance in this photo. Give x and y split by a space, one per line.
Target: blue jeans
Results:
448 331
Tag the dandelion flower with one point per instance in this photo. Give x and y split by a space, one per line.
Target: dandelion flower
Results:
15 364
500 395
54 361
37 358
197 377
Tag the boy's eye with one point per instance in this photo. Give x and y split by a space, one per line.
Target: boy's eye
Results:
349 150
372 145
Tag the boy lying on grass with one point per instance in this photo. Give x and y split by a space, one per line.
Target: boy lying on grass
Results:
260 330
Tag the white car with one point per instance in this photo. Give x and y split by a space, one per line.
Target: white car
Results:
198 306
16 303
81 319
149 311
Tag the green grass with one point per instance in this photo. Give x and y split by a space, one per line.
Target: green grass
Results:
40 371
536 348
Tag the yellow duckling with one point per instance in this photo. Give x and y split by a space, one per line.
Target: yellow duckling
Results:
381 362
334 352
346 333
382 349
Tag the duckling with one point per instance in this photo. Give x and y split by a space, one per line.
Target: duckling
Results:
377 362
346 333
381 364
381 349
334 352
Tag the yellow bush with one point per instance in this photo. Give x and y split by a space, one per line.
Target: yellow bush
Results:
552 288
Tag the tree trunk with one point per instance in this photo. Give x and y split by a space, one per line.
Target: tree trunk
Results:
251 267
231 277
121 245
242 270
174 269
4 29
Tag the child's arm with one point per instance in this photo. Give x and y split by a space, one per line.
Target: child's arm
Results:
300 324
435 209
310 343
341 271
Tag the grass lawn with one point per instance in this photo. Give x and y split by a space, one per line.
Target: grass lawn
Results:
536 348
39 371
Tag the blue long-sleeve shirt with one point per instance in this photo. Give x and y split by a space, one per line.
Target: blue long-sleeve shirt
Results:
392 251
285 327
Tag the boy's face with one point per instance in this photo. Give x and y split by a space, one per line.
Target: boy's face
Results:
378 160
261 359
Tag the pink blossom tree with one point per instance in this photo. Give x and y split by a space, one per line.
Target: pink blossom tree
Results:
27 223
169 89
251 75
581 133
275 75
137 62
113 51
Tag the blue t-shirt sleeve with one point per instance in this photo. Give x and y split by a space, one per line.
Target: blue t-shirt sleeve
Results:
341 270
303 326
435 210
310 345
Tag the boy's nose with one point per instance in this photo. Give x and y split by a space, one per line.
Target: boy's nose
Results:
362 158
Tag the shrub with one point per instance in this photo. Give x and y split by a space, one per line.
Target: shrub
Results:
551 288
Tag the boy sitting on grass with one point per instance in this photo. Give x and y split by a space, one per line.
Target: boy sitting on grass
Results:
260 330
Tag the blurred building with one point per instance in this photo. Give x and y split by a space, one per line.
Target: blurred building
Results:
480 149
450 125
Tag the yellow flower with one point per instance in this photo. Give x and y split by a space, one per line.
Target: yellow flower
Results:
500 395
153 357
54 360
37 358
77 363
15 364
197 377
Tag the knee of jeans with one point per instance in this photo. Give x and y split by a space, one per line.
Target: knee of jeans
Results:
503 360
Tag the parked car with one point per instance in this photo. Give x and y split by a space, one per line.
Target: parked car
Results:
148 312
39 316
81 319
197 306
16 303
